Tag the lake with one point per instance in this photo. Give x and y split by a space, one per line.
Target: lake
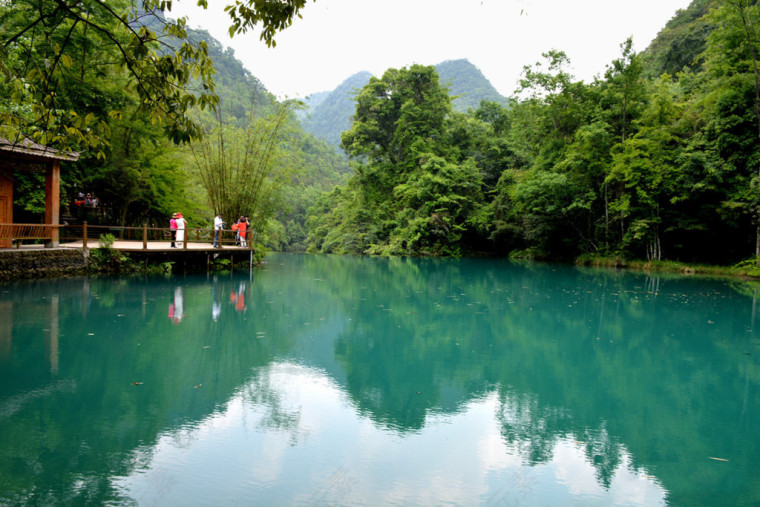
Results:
328 380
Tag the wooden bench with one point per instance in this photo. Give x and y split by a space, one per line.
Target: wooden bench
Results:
20 232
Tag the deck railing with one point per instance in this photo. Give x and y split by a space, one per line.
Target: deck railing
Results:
90 235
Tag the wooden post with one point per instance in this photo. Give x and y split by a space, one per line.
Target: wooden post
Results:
84 234
52 200
145 236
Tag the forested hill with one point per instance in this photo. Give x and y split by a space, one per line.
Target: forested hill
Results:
329 116
680 44
656 159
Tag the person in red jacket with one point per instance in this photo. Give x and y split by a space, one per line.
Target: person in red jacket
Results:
242 230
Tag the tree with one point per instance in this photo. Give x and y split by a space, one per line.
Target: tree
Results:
243 169
645 166
47 48
412 192
732 101
624 90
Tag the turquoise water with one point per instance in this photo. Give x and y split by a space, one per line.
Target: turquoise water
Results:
321 380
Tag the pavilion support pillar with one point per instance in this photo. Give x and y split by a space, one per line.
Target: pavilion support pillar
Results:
53 200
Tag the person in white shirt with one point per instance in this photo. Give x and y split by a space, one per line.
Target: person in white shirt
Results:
218 227
181 222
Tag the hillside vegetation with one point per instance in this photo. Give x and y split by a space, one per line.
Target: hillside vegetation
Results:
141 165
657 159
329 113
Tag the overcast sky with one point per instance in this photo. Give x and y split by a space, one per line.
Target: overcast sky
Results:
337 38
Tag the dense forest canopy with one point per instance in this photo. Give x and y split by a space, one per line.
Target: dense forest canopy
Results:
658 158
134 92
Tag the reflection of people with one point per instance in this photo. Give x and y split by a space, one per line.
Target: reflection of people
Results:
173 228
218 226
177 307
238 298
216 306
180 230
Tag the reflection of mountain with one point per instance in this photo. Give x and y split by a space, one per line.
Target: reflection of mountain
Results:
656 382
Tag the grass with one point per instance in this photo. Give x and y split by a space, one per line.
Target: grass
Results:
745 269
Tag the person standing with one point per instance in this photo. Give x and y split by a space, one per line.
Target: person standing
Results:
181 222
235 227
242 230
173 228
218 228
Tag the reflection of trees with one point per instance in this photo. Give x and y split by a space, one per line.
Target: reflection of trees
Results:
130 376
528 428
259 391
532 430
604 453
617 361
591 356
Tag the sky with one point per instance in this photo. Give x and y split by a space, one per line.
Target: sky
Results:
338 38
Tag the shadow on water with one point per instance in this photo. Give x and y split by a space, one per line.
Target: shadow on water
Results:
659 376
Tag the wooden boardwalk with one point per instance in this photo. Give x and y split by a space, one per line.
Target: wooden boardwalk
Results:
155 246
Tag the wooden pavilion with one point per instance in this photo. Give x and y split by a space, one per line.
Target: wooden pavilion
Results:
24 155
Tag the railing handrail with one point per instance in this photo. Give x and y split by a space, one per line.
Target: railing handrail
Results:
12 231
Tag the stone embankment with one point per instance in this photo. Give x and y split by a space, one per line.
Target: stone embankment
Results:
42 263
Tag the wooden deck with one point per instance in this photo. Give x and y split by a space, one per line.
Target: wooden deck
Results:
125 239
132 246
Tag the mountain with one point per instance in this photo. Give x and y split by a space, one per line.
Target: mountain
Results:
311 102
468 84
328 116
332 114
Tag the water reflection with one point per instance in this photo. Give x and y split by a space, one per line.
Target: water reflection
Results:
177 306
288 411
352 380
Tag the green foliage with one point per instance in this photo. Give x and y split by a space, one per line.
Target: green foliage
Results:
679 46
243 170
55 54
330 113
410 193
108 259
639 163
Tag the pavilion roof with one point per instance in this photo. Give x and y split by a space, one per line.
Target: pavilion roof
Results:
25 147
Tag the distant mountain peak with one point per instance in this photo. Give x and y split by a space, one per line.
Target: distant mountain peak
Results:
329 113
